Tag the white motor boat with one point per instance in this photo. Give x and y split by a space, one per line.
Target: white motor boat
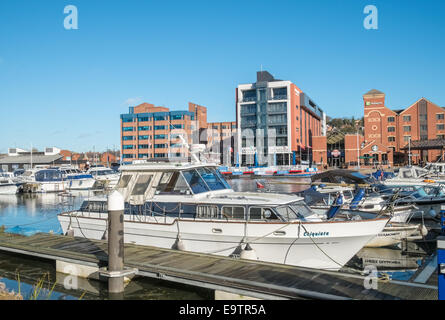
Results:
38 180
190 206
8 184
76 179
412 175
105 177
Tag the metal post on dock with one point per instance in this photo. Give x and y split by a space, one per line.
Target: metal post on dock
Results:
441 259
116 207
116 270
441 267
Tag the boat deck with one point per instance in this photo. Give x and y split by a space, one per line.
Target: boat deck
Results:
244 277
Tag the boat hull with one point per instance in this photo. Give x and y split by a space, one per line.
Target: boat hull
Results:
80 184
393 235
318 245
9 189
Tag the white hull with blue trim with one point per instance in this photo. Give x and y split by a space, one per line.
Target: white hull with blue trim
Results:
191 207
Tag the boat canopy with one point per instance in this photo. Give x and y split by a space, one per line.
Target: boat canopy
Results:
410 172
144 184
48 175
340 176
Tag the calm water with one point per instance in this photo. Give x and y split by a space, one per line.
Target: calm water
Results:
32 213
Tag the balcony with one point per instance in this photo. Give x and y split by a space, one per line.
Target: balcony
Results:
279 97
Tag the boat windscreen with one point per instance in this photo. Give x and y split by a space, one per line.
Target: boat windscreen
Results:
172 183
204 179
141 185
48 175
211 178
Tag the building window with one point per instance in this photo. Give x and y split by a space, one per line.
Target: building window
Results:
128 156
160 145
127 147
441 136
277 107
160 136
127 120
159 127
160 118
423 127
391 139
277 118
391 129
423 117
423 137
143 119
406 138
407 118
159 155
440 127
282 141
250 108
406 128
144 128
143 137
127 138
126 129
440 116
176 117
391 119
143 155
143 146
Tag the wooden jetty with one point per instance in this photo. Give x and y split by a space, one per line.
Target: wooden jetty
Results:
234 277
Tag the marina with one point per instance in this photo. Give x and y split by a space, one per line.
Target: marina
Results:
177 151
406 272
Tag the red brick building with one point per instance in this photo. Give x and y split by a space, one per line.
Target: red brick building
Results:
148 131
387 134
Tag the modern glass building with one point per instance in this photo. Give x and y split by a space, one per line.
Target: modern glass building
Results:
276 121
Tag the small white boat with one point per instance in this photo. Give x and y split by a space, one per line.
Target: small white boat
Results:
38 180
395 233
106 178
76 179
412 176
8 184
191 207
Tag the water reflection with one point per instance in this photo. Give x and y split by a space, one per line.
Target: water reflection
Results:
32 213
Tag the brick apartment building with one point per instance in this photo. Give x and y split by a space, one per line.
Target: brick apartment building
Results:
148 131
276 121
388 134
221 138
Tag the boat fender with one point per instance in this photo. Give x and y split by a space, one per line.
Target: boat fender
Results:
248 253
423 230
180 245
69 232
432 212
357 198
105 235
335 207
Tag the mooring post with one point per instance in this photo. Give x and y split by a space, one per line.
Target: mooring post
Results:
116 242
441 258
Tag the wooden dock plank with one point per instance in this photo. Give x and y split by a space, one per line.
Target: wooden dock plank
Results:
245 274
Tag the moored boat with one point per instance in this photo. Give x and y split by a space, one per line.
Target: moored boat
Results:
191 207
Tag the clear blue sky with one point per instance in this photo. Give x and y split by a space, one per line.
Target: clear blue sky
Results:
67 88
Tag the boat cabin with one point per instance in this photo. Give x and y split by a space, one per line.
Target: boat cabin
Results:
196 191
412 172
